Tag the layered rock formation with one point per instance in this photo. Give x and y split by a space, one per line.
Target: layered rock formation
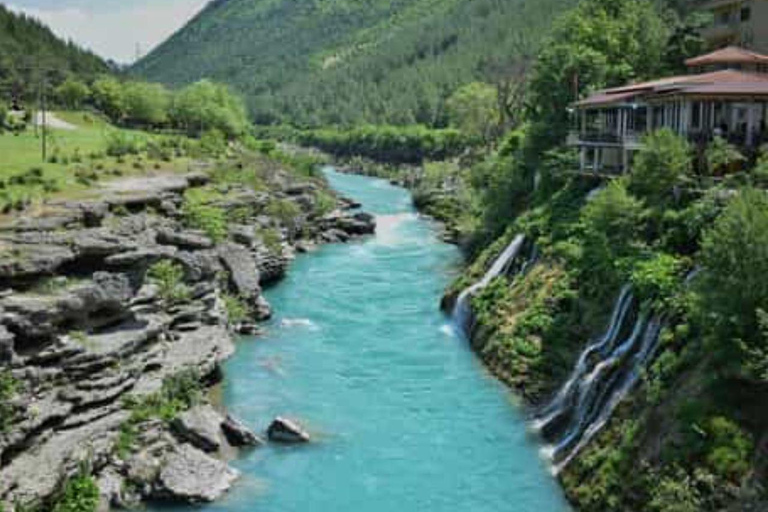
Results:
83 328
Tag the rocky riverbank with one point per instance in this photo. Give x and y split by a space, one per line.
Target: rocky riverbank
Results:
101 342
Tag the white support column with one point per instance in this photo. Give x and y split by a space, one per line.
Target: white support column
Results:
595 162
624 160
620 123
686 118
751 124
649 119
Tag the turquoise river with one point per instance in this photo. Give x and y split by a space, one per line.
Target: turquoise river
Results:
404 417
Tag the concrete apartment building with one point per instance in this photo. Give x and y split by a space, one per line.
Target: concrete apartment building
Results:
738 23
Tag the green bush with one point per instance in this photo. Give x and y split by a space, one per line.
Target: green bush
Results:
72 93
663 163
657 278
612 222
729 449
735 284
80 494
213 142
8 388
283 210
179 392
723 157
236 308
199 213
169 277
675 493
205 105
120 144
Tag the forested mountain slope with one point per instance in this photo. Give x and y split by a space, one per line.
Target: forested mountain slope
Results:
319 62
27 47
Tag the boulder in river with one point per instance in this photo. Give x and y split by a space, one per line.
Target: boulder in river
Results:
238 434
191 476
200 426
286 431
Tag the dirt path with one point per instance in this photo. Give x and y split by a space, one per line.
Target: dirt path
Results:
51 121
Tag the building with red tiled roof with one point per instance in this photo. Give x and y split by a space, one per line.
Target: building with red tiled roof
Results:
730 100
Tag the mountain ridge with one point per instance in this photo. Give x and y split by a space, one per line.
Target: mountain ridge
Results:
312 63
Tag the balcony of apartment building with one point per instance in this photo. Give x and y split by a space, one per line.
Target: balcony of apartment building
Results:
730 23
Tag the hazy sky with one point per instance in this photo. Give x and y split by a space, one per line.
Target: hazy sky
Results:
112 28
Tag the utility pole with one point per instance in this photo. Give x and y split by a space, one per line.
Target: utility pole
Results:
43 117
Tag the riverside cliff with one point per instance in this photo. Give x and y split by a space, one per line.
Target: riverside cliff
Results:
117 312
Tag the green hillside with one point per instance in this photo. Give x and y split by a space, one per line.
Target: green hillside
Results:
29 48
313 62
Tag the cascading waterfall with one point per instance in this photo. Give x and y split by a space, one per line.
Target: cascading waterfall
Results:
564 397
462 312
604 375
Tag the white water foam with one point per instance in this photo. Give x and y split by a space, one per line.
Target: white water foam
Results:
449 330
388 232
299 322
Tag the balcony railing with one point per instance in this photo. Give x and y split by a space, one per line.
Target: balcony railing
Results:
576 138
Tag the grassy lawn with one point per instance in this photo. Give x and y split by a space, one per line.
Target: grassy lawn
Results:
77 159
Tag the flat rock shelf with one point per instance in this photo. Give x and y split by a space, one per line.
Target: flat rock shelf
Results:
401 414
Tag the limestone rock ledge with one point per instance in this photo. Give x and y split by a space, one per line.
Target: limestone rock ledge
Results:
83 328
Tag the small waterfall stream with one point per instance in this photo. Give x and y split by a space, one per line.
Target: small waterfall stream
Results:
604 375
605 372
462 312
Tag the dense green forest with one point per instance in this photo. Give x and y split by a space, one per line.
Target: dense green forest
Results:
314 63
29 51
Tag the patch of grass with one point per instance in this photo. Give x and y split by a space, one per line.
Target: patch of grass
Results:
22 152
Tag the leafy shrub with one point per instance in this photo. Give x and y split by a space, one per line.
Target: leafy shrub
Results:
120 144
611 222
169 276
213 142
723 157
325 204
657 278
735 283
178 393
663 163
205 105
80 494
8 388
675 493
272 240
283 210
237 310
199 213
729 449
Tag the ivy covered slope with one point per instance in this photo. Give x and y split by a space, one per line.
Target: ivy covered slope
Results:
690 242
27 46
321 62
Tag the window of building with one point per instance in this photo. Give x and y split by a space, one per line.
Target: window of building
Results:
746 13
696 116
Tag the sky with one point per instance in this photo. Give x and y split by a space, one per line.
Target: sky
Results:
112 28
